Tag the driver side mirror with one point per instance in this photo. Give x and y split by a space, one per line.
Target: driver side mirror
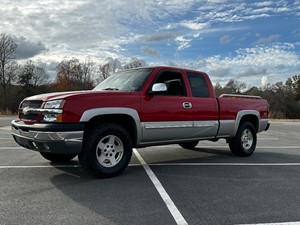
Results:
158 88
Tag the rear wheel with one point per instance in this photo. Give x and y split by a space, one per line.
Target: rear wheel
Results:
106 151
244 143
189 145
58 157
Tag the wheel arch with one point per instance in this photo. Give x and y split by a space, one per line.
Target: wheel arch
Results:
251 116
126 117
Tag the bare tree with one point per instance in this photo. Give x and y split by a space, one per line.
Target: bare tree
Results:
74 75
135 63
293 86
234 87
7 55
106 69
31 77
218 89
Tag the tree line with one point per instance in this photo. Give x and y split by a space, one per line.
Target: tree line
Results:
283 98
18 81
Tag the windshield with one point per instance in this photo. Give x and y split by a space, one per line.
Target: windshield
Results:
125 80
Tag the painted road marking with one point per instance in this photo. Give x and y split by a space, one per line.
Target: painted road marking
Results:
288 223
5 128
206 146
47 166
163 194
4 148
161 164
257 147
224 164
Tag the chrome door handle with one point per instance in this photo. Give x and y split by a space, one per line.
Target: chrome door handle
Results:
187 105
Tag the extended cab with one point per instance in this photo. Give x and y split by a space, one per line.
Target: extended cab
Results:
137 108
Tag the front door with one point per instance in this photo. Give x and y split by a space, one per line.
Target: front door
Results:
167 116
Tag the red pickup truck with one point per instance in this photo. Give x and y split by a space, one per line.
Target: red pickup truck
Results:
137 108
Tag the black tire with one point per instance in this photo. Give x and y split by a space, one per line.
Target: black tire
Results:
58 157
189 145
244 143
107 150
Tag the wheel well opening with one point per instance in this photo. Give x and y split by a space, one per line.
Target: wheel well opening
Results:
125 121
252 119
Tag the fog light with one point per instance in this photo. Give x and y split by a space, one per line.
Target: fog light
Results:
52 118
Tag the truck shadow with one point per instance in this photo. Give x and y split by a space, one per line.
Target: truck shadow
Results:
212 151
121 200
131 198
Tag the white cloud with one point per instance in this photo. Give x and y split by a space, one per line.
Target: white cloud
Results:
263 4
183 42
54 29
264 81
194 25
277 62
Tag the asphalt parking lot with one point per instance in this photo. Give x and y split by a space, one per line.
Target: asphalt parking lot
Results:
163 185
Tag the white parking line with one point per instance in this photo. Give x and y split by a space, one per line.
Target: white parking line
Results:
163 194
5 128
48 166
257 147
162 164
224 164
201 146
268 138
4 148
288 223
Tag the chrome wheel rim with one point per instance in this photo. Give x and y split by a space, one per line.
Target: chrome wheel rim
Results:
109 151
247 139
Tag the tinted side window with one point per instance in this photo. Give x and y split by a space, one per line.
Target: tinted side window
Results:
198 85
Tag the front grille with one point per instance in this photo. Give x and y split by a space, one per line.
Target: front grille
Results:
35 104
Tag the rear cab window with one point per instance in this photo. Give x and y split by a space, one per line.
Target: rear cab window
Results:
198 85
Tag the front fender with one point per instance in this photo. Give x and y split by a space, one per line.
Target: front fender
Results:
91 113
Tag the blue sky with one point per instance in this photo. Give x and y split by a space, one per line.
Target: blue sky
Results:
256 42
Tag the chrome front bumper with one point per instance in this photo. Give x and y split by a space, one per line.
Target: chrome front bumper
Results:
58 139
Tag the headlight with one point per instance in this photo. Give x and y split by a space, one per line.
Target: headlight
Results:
53 111
56 104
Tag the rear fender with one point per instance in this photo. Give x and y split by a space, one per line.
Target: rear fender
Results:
248 115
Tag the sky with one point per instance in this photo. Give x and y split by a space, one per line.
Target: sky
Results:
255 42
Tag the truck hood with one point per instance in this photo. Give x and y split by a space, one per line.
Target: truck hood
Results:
70 94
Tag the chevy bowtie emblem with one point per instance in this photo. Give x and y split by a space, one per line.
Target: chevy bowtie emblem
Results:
26 110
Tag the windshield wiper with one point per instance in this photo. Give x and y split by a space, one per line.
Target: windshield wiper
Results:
111 89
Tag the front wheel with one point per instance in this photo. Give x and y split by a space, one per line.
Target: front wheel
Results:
106 151
58 157
244 143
